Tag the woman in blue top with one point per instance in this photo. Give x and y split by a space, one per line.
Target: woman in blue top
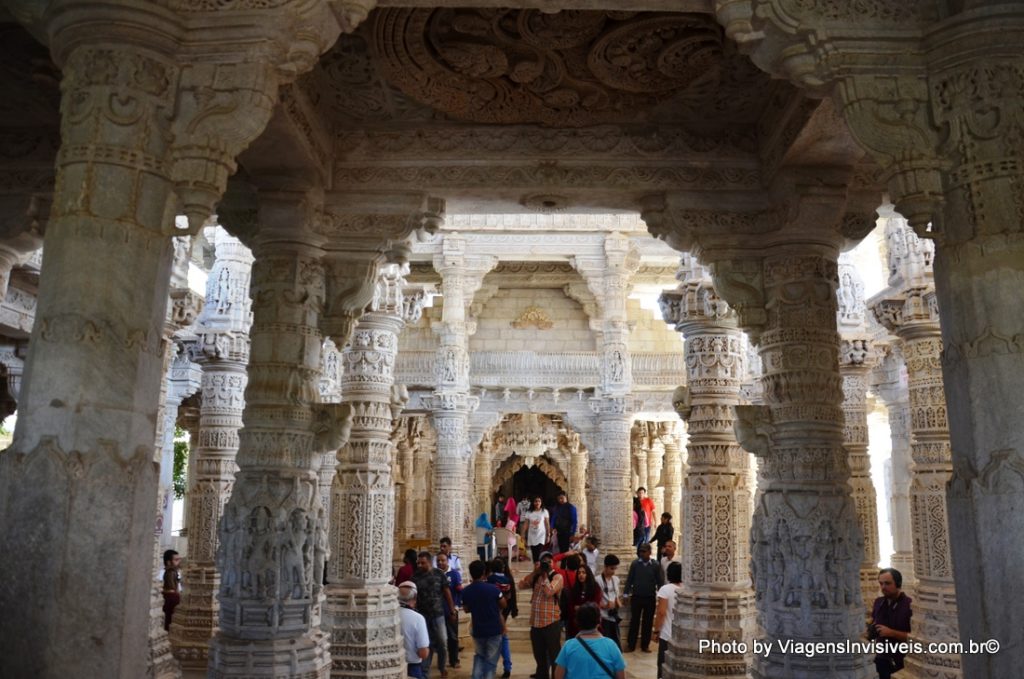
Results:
575 662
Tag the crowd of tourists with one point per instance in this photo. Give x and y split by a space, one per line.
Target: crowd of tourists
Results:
575 595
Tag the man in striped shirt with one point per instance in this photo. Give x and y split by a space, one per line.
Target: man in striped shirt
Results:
545 615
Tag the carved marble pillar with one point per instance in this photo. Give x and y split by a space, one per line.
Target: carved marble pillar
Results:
716 600
855 359
911 313
423 456
890 384
655 465
612 503
273 539
672 473
222 350
451 404
578 478
854 365
482 466
638 446
80 477
806 542
362 524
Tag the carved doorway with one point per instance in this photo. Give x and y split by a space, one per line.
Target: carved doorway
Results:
517 479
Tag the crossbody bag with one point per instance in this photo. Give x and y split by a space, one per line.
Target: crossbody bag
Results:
593 655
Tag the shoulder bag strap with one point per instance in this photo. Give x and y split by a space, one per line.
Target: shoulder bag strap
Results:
593 655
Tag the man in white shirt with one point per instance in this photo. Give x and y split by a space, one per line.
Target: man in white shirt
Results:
414 630
609 584
590 553
445 547
668 555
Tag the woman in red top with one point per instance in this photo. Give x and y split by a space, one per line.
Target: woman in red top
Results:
583 591
407 569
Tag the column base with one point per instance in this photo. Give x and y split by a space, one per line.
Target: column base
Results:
195 620
305 657
365 633
727 617
935 620
162 664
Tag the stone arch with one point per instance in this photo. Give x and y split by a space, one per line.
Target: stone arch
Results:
514 463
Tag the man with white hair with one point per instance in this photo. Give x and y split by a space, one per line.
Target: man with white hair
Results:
414 630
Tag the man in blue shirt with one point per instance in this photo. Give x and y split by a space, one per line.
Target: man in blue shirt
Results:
451 614
564 521
484 602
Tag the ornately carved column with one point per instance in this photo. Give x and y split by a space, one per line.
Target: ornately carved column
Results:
855 360
612 500
578 478
672 472
911 313
889 383
854 365
451 404
222 349
806 537
608 277
362 609
717 597
81 478
273 539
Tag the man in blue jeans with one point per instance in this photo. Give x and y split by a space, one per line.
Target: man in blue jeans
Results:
483 601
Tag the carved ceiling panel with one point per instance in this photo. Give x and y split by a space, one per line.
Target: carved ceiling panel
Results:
570 69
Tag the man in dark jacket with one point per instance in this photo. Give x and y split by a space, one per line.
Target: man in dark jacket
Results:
642 583
564 521
890 621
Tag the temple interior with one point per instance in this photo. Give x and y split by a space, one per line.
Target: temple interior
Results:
293 286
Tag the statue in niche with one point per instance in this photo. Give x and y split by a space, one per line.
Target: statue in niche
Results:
616 365
449 366
292 564
232 545
321 549
223 291
259 578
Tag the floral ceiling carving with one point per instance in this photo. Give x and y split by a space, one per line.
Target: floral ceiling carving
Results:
570 69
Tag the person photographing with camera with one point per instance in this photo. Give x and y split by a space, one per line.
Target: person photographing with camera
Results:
890 622
545 614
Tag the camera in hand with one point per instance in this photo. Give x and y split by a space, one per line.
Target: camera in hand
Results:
545 566
872 631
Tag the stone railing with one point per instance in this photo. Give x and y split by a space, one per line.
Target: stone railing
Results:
531 369
578 369
658 370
